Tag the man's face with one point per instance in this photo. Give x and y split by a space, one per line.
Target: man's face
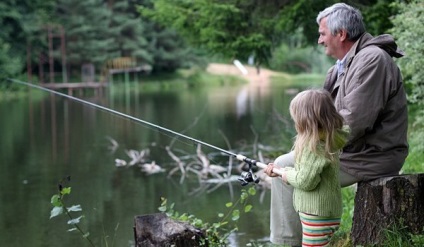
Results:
329 41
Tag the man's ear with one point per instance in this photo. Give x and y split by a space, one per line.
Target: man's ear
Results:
342 34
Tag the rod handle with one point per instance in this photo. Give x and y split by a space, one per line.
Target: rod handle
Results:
257 163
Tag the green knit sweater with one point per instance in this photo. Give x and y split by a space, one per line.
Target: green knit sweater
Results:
316 183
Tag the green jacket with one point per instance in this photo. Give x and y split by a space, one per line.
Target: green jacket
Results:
316 182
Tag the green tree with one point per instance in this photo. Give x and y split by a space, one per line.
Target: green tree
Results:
129 32
301 14
169 50
89 38
409 33
238 29
167 47
22 23
9 66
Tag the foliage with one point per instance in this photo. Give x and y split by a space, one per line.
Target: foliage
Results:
377 16
9 65
414 161
98 30
296 60
128 31
20 24
398 235
409 33
88 36
217 233
169 51
301 15
60 208
237 29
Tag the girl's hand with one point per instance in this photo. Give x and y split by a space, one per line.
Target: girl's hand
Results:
284 176
268 170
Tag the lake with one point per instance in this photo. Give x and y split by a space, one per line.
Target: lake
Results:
45 139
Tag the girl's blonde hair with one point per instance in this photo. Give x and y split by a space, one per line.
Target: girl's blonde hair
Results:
316 121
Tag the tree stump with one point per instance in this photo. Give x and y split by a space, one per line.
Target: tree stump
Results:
160 230
388 203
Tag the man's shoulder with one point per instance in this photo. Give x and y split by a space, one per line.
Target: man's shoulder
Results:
371 53
383 45
371 50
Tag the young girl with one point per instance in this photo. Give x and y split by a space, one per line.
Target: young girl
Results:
315 175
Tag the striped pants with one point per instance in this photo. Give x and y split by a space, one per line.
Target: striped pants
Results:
317 230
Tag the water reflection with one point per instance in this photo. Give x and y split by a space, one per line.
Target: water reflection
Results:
46 139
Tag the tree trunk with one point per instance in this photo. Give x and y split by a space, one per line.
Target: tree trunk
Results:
394 203
159 230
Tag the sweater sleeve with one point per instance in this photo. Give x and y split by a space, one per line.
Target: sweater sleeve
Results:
307 174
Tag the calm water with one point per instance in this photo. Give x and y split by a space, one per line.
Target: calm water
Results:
43 140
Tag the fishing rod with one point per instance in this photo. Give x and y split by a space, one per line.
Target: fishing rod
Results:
245 177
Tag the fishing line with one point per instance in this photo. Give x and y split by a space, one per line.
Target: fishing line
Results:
245 178
125 116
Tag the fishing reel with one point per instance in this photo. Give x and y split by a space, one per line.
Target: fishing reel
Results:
248 177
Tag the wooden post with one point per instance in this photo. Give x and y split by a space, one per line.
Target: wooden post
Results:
388 203
159 230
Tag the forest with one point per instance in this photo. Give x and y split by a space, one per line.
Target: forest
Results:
166 34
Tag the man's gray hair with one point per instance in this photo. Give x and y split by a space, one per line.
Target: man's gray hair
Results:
342 16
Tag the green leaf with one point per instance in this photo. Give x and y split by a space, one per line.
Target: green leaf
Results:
247 208
66 190
163 201
56 201
74 208
229 204
72 229
183 217
235 215
216 225
252 191
220 215
162 209
243 196
56 211
198 221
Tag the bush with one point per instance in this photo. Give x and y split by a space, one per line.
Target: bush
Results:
295 60
409 33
